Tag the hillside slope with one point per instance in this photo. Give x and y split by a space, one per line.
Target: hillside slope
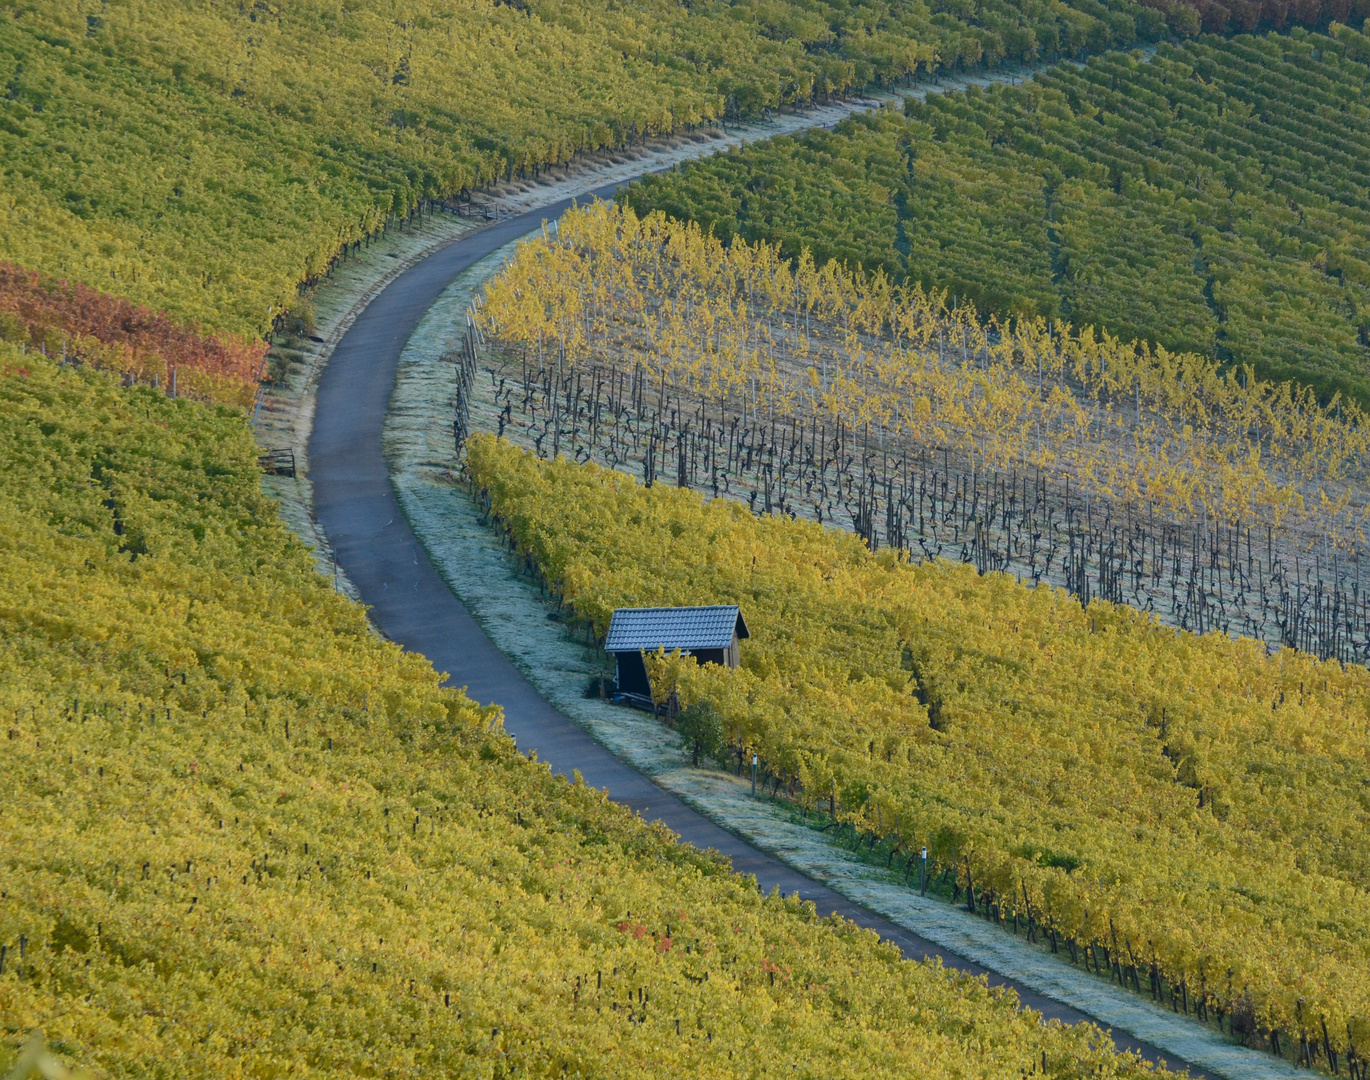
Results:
244 837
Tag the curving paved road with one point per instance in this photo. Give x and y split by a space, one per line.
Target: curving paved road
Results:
413 606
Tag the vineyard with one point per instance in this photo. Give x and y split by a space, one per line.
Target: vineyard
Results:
1181 813
204 159
246 836
1210 497
1027 426
1211 197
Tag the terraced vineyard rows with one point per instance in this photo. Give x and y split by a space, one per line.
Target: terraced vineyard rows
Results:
1212 198
192 714
207 159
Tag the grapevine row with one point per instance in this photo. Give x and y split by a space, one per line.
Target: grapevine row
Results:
255 145
609 370
81 325
1177 810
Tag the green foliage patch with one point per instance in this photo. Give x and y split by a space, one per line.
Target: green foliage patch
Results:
203 158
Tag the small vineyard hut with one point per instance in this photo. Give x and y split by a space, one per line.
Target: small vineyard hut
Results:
709 634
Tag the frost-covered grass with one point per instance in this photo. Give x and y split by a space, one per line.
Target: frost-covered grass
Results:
507 603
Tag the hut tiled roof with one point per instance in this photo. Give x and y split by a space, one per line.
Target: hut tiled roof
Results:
650 629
